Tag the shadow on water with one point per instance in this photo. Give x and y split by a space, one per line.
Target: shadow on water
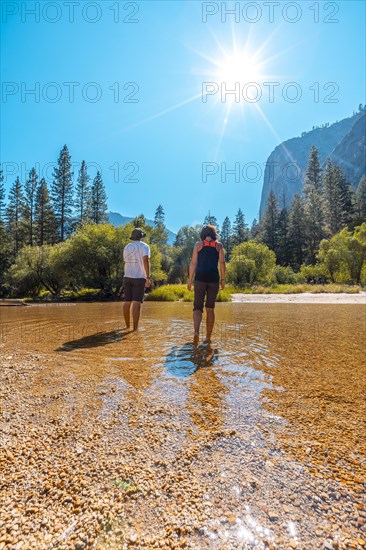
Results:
94 340
184 361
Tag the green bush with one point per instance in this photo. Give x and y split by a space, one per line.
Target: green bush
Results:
315 274
170 293
225 295
39 267
84 294
285 275
174 293
251 263
300 288
344 256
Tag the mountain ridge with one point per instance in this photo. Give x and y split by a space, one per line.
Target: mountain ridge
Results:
343 141
115 218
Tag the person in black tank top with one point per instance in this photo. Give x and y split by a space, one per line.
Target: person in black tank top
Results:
207 265
208 255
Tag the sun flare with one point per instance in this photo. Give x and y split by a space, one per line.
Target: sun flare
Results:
238 67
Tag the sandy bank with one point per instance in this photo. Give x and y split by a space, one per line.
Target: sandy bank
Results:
303 298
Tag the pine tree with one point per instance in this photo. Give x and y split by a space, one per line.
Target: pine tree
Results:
269 223
159 218
360 201
296 232
159 234
337 199
211 220
240 229
30 189
14 215
99 210
5 254
346 193
226 238
82 201
254 230
314 219
313 224
45 219
5 244
313 172
61 193
283 254
2 196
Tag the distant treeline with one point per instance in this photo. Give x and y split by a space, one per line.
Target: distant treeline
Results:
361 108
37 215
327 204
59 239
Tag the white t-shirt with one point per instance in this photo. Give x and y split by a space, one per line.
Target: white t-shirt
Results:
133 254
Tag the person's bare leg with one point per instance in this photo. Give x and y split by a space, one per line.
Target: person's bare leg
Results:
197 318
210 321
126 313
136 308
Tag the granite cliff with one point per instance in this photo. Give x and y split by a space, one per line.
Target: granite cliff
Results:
344 142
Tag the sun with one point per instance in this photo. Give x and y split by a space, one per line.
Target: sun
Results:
239 67
235 76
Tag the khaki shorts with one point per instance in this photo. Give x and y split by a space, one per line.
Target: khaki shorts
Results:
134 289
202 290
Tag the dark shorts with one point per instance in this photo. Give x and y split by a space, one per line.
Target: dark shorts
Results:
202 290
134 289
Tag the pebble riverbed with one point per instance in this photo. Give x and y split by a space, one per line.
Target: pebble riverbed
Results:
115 440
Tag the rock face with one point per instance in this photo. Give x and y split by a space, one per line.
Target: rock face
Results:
343 142
350 153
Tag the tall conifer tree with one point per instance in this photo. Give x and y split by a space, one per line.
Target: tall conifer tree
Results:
62 193
296 232
30 189
240 228
82 201
2 196
14 215
313 209
360 201
226 237
99 211
269 223
45 220
159 234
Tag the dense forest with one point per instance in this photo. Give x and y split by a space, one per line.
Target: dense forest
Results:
57 239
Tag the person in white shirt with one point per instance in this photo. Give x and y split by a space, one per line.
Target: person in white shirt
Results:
136 276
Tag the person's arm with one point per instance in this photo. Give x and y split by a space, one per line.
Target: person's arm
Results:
222 265
147 270
192 267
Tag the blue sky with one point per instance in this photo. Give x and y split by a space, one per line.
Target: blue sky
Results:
168 50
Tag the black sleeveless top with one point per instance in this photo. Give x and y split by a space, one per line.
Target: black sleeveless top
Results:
207 264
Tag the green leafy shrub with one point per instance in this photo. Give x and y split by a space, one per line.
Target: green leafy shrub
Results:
38 267
315 274
344 256
169 293
174 293
251 263
285 275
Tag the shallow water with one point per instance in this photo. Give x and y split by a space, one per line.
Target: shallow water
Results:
252 440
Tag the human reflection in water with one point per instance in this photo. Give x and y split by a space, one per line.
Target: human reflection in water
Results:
206 390
184 361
